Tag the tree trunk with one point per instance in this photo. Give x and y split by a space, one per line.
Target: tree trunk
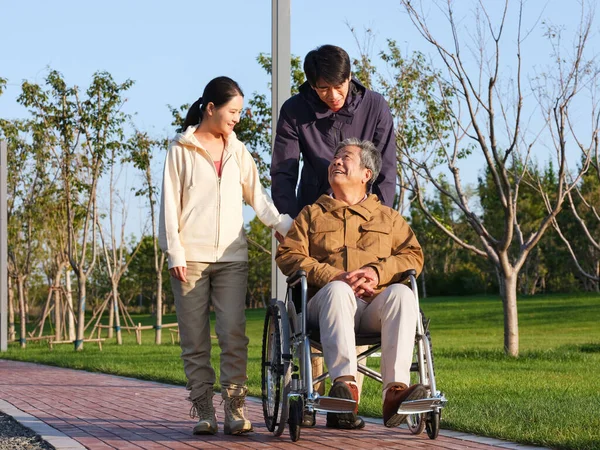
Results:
81 284
508 293
69 295
111 316
11 310
26 301
115 314
598 275
58 306
159 308
22 310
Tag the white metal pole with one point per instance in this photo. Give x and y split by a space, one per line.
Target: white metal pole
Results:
280 92
3 251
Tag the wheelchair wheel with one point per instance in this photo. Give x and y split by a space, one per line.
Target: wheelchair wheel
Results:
416 423
276 368
295 416
432 424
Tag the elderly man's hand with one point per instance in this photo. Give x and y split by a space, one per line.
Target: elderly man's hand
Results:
363 281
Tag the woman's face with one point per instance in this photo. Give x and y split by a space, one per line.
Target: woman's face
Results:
226 116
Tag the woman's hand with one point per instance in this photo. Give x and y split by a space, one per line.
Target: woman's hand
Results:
179 273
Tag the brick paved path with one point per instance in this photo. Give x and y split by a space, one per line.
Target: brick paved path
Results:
104 412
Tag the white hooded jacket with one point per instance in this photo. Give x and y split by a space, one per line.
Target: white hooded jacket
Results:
201 214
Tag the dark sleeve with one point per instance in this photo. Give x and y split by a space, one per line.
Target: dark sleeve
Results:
284 165
385 141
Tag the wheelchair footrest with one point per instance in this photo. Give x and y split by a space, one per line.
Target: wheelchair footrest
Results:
422 405
333 404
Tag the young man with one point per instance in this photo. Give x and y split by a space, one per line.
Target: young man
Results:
330 107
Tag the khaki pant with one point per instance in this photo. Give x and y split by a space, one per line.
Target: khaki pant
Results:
339 315
225 285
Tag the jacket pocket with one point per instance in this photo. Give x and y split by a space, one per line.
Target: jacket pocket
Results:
376 238
326 237
185 219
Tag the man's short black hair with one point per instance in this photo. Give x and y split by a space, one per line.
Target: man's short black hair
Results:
328 63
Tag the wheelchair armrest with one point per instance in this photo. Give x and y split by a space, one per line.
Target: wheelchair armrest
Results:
292 279
406 274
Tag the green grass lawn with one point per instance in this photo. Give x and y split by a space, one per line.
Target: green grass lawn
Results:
549 396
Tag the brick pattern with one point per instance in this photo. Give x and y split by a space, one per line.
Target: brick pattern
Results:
106 412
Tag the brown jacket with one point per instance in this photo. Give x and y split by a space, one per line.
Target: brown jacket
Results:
330 237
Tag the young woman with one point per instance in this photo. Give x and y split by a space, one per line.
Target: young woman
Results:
208 172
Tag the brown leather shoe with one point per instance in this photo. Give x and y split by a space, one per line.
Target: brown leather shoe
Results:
346 421
394 397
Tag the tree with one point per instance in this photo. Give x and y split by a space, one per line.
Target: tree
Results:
142 150
26 187
483 109
259 263
115 255
583 239
78 133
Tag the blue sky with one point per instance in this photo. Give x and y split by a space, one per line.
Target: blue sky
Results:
172 49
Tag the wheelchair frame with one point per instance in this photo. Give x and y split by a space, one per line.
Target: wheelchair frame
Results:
287 381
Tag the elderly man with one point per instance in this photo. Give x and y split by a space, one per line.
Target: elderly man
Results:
353 250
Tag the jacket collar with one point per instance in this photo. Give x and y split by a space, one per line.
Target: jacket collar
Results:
366 208
356 93
188 139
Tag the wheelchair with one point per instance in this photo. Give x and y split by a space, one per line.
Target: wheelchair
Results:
288 394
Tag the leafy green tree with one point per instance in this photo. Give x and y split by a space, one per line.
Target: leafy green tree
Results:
259 263
142 150
139 282
79 131
27 180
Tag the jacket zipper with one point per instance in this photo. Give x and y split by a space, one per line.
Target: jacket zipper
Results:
223 161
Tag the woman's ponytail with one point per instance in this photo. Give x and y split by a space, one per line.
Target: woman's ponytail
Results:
194 114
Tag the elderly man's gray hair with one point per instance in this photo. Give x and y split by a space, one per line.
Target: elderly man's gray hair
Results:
370 157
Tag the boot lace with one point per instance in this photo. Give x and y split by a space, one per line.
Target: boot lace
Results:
201 408
235 407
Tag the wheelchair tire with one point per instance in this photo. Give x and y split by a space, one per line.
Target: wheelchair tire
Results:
295 417
416 423
276 368
432 424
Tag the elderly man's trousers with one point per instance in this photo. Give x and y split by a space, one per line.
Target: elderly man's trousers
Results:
339 314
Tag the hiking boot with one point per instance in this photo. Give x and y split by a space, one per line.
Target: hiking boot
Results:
346 421
235 422
202 408
394 397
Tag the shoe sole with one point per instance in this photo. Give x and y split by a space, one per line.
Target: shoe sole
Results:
239 432
205 431
344 421
398 419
